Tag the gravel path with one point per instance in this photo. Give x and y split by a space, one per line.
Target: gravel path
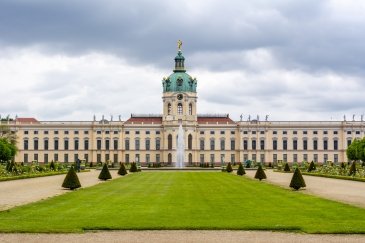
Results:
19 192
351 192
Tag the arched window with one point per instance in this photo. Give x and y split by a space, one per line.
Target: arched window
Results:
168 109
169 142
169 158
190 141
190 109
190 158
179 109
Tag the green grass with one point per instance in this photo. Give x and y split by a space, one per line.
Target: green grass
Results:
184 200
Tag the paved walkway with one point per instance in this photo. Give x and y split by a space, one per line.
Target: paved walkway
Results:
351 192
19 192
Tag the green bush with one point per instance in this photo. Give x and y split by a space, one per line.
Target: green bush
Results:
241 171
297 180
122 171
352 169
133 167
71 180
52 166
312 167
286 167
105 174
260 173
229 168
343 166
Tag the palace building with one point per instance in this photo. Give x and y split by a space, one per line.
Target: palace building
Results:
208 138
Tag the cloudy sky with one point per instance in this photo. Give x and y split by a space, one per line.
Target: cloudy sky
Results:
292 60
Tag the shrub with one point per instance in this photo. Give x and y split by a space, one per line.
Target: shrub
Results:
287 168
260 173
311 167
343 166
122 171
71 180
270 165
297 180
133 167
52 166
229 168
91 164
105 174
352 169
241 171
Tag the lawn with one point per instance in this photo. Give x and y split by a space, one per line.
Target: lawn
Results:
184 200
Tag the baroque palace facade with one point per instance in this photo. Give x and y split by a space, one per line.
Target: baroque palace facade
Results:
208 138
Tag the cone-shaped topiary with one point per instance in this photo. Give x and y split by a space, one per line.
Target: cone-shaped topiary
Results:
343 166
311 167
286 167
260 173
105 174
52 166
122 171
241 171
352 169
297 180
71 180
229 168
133 167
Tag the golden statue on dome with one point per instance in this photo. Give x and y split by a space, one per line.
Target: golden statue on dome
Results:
179 44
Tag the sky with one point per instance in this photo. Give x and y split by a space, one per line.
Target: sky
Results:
290 60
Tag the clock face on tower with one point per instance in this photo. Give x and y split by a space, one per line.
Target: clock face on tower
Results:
179 96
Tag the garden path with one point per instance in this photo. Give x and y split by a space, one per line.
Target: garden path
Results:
351 192
18 192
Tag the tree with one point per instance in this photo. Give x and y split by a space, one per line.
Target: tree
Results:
352 150
311 167
241 171
352 169
286 167
229 168
122 171
71 180
260 173
297 180
105 174
7 150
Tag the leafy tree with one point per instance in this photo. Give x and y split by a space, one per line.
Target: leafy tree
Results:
71 180
297 180
286 167
352 169
260 173
122 171
312 167
352 150
105 174
7 150
229 168
241 171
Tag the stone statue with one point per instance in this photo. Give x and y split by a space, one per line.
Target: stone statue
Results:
179 44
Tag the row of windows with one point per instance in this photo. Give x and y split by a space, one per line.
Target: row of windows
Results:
66 144
179 109
304 132
221 132
74 132
138 132
212 145
294 159
294 144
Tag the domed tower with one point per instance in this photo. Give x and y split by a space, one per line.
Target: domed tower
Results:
179 94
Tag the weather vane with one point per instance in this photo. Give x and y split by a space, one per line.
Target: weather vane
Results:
179 44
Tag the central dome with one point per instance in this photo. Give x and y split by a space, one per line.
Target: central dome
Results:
179 80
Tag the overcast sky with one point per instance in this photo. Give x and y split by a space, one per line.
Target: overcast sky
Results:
291 60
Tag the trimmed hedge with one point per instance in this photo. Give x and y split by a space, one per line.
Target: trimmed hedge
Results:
311 167
122 171
133 167
229 168
286 167
241 171
260 173
71 180
297 180
105 174
349 178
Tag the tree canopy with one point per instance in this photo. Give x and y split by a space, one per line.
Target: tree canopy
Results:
7 150
356 150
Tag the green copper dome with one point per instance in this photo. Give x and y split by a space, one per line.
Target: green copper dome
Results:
179 80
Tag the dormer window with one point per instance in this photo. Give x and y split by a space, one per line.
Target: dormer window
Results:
179 82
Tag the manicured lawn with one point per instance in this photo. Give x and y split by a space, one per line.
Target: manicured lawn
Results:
184 200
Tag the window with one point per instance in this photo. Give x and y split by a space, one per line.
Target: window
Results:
65 144
305 144
26 144
325 144
147 132
190 141
201 144
56 144
335 144
233 144
275 158
315 132
98 132
254 157
295 158
295 132
35 132
115 158
190 158
275 144
76 144
305 132
190 109
233 159
305 157
36 157
25 158
126 143
169 142
348 142
158 158
86 132
254 144
285 157
86 144
148 158
285 144
335 157
201 132
45 132
26 132
86 158
253 132
335 132
212 144
245 132
168 109
107 132
115 144
158 144
233 132
65 158
211 132
285 132
179 109
127 158
357 132
295 144
223 144
76 132
274 132
55 132
115 132
245 144
147 143
262 144
245 157
212 158
65 132
98 158
107 144
55 157
107 157
136 144
325 157
222 132
76 157
98 144
45 144
126 132
315 144
35 144
202 158
325 132
262 132
137 132
349 132
157 132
